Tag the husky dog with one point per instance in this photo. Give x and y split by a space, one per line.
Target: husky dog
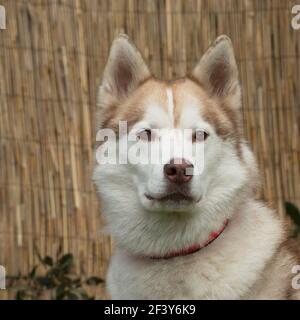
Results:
179 235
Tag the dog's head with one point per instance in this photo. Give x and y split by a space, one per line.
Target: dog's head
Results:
153 206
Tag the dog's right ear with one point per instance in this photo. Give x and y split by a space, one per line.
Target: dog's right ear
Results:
124 71
217 72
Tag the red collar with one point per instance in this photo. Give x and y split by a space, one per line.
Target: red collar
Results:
194 247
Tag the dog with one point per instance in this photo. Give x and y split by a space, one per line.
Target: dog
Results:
179 235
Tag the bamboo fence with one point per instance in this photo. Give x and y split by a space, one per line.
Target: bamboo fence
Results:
52 54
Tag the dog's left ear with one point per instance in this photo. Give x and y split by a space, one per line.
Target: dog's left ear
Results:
124 71
217 72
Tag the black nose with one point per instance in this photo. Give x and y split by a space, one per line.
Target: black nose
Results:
179 172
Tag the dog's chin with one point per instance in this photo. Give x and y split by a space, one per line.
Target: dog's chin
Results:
175 202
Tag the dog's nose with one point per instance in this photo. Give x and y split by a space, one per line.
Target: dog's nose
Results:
178 171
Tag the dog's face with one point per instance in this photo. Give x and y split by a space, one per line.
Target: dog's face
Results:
154 206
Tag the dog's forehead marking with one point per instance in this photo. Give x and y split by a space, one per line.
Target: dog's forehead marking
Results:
187 105
170 105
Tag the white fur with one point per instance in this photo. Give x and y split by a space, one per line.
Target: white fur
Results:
170 106
226 269
233 265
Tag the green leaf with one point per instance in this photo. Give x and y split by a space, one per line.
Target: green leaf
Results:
60 292
72 296
59 251
75 283
45 282
66 261
21 287
38 254
55 279
293 212
55 272
32 272
48 261
17 277
85 296
20 295
93 281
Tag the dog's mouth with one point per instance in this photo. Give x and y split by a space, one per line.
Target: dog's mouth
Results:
173 197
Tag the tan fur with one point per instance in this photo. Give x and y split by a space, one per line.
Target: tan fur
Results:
207 107
134 107
132 110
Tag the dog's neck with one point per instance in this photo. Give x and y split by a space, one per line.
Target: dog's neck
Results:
194 247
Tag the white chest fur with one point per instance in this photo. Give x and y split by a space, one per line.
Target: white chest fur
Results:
226 269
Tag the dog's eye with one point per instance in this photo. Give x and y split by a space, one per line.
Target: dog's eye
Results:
200 135
146 135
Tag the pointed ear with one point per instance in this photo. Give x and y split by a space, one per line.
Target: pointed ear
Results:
217 71
124 71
